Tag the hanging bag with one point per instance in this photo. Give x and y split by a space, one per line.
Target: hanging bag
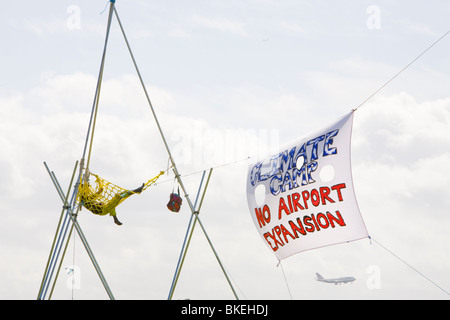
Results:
175 201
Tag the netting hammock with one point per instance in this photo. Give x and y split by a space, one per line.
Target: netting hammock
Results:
106 196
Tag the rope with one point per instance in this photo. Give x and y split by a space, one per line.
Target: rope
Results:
73 263
370 97
284 275
152 180
175 169
406 67
144 88
215 167
68 215
410 266
93 119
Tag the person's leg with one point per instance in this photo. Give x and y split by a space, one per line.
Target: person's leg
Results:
116 221
138 190
114 215
110 207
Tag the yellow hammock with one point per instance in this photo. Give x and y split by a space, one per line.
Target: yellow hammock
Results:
106 196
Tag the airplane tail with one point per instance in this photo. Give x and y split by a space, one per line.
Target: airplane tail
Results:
319 277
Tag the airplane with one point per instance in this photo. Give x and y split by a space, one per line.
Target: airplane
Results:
335 280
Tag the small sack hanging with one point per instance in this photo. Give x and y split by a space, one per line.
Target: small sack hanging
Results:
175 201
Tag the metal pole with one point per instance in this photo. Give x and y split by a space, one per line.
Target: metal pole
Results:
92 257
56 242
183 253
69 213
217 257
93 118
209 240
60 263
175 169
185 246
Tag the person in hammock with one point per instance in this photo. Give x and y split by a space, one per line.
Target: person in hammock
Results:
90 201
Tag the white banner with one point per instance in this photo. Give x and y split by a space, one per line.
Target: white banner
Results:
302 197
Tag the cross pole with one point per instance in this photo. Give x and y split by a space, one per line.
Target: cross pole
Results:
69 213
188 236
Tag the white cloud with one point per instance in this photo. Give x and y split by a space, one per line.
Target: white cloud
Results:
44 27
418 28
221 24
400 122
400 151
179 33
390 136
400 156
292 26
60 24
423 30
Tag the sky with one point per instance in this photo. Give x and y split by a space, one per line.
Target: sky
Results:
228 80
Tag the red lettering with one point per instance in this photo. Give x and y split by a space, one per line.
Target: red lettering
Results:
290 203
340 221
277 229
322 221
264 216
306 222
277 243
282 206
338 188
315 198
295 198
305 195
285 233
259 217
302 226
324 192
315 222
298 229
267 235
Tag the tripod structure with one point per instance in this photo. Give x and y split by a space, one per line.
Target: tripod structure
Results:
68 218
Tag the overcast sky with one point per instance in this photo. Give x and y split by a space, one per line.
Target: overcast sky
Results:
228 80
